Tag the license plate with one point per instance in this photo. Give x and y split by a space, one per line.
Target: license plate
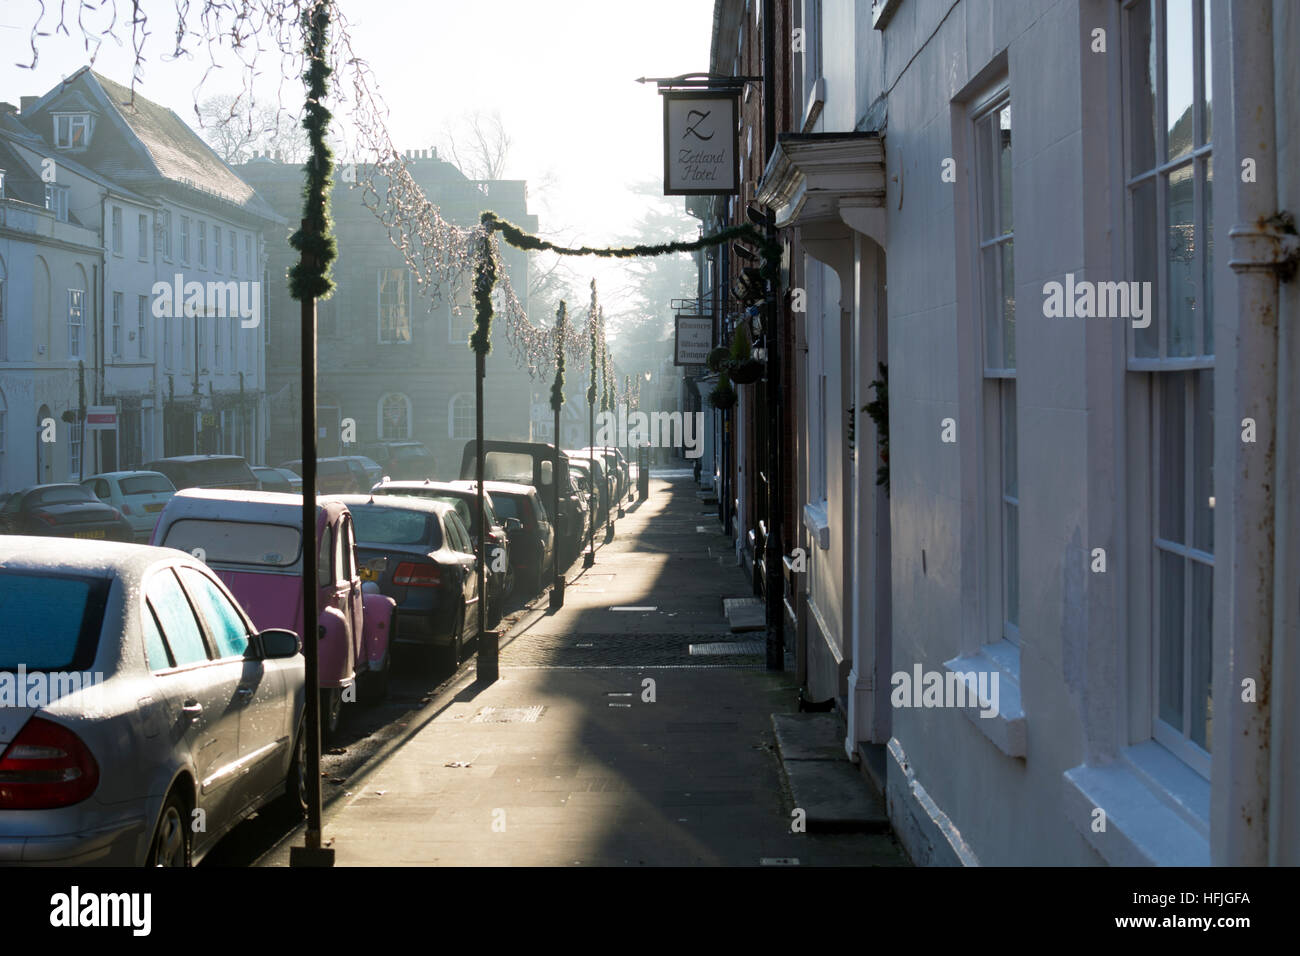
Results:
368 575
157 506
89 534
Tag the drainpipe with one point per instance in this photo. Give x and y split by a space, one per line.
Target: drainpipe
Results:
1261 248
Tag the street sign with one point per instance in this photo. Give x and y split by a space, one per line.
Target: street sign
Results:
101 418
701 144
693 339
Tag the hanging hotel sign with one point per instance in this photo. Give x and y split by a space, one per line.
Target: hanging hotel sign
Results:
693 339
701 156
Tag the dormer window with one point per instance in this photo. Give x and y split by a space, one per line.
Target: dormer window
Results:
56 201
71 130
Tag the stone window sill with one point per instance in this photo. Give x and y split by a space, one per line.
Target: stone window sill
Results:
1001 662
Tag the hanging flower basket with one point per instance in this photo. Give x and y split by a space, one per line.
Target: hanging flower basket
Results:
723 395
716 358
747 371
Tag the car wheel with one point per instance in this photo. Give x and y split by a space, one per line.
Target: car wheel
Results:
453 652
294 798
331 711
171 838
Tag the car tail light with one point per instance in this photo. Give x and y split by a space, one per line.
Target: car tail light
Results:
46 766
47 518
414 575
126 509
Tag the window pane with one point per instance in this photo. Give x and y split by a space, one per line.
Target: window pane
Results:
224 623
178 624
985 170
1207 265
1181 260
992 306
1207 106
154 649
1008 305
1179 64
1004 168
1146 342
1202 643
1170 611
1203 460
1172 438
1010 452
1011 562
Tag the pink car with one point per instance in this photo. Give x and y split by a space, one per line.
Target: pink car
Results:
253 541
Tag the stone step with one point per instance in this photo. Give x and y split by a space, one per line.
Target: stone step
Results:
745 614
823 783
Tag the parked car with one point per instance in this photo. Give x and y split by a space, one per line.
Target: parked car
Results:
253 541
461 494
274 479
580 474
165 701
401 459
601 479
531 463
532 543
430 569
291 476
616 466
206 471
371 467
334 476
63 510
139 495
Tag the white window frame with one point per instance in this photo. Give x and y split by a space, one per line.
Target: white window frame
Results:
164 233
57 201
216 248
234 252
379 307
115 337
77 311
185 240
384 434
1151 373
74 448
116 220
64 126
457 402
998 398
142 325
203 243
142 239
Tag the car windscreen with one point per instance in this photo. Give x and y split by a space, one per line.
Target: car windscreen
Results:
508 466
237 542
218 471
506 506
60 496
50 622
145 485
377 525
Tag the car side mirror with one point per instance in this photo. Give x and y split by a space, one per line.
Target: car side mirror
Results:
279 643
513 524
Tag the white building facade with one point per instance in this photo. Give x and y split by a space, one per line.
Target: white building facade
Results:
1060 227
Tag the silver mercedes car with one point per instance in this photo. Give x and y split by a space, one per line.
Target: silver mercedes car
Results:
142 716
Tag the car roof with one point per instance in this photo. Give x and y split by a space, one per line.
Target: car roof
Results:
48 484
102 559
194 458
508 487
404 502
124 474
269 507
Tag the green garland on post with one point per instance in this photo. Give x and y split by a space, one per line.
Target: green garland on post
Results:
310 277
557 387
591 365
485 280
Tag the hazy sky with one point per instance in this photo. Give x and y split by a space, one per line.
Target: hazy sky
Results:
561 73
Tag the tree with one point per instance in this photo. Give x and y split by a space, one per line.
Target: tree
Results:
477 144
238 126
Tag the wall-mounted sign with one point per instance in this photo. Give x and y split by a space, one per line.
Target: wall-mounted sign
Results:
693 339
101 418
701 156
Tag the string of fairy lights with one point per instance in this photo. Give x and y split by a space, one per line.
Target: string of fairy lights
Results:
443 256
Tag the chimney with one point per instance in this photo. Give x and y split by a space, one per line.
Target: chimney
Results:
278 155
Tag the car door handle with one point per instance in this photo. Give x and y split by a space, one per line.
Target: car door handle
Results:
192 709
